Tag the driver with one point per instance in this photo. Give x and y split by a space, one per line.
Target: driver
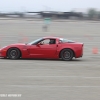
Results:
52 41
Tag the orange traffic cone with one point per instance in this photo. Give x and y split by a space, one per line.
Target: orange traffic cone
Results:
95 50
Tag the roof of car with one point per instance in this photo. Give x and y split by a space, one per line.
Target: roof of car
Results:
52 37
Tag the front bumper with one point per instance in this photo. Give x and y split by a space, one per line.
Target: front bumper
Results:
2 53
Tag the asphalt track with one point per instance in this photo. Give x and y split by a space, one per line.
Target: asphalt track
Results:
51 79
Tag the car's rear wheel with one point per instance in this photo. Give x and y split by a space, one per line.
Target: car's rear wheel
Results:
13 53
67 54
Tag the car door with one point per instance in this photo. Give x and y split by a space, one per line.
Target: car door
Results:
48 50
44 50
35 51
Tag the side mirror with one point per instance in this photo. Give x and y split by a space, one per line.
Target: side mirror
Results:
38 44
41 43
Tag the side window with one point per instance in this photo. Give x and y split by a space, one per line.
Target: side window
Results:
60 41
46 41
52 41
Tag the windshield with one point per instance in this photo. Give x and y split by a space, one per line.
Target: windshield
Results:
63 40
35 41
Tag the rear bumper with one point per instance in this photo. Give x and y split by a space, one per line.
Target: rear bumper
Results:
79 56
79 53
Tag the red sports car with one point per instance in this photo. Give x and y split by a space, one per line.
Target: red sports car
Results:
46 48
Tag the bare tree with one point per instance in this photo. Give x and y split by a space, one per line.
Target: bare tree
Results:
98 15
92 13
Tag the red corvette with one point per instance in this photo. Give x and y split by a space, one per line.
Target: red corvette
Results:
46 47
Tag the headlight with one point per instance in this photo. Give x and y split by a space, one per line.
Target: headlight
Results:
3 47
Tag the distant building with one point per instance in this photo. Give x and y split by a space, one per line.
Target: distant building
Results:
58 15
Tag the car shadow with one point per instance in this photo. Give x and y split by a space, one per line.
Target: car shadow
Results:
73 60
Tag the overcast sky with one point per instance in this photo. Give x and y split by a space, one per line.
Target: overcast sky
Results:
54 5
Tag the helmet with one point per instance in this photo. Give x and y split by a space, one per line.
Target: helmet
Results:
52 41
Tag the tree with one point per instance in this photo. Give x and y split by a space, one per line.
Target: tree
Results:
92 13
98 14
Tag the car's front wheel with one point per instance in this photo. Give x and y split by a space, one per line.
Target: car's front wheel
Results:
67 54
13 53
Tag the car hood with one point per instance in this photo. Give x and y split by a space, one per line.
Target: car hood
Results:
13 45
18 44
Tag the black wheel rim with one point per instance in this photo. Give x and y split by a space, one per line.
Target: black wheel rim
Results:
13 53
66 54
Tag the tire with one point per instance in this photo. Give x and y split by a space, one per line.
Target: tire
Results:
67 54
13 53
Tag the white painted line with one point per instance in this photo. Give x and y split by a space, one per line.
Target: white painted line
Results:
54 76
58 77
92 77
42 86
